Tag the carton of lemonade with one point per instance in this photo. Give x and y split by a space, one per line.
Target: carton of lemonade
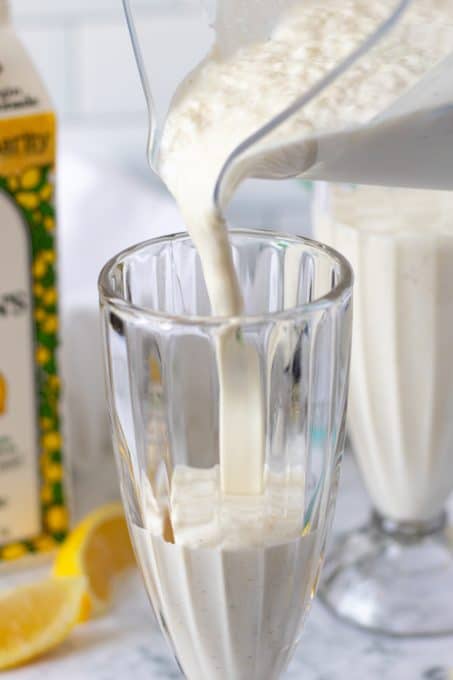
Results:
33 513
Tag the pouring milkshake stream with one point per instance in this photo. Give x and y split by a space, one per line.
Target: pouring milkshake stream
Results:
385 119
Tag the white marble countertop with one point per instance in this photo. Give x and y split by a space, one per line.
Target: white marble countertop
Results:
127 642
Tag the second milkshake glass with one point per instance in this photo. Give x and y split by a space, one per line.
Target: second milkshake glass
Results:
229 613
395 575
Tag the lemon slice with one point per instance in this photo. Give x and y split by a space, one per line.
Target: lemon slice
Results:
37 617
98 549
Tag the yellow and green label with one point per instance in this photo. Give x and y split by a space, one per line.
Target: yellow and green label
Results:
33 512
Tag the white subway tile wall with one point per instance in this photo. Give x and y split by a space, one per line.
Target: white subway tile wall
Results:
48 49
104 66
83 52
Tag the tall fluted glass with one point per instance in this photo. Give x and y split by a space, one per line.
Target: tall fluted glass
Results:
393 574
230 576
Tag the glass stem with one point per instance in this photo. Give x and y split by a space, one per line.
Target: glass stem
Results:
411 531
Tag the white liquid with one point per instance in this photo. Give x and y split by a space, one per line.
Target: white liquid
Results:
400 244
230 614
202 517
226 99
233 589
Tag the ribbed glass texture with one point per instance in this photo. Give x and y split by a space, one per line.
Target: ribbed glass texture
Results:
228 612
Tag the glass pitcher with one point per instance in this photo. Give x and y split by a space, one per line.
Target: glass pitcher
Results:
404 142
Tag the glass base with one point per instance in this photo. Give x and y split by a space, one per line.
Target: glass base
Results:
395 579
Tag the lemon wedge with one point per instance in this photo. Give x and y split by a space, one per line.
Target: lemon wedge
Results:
98 549
37 617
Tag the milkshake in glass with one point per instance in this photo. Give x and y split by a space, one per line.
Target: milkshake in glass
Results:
231 576
394 574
